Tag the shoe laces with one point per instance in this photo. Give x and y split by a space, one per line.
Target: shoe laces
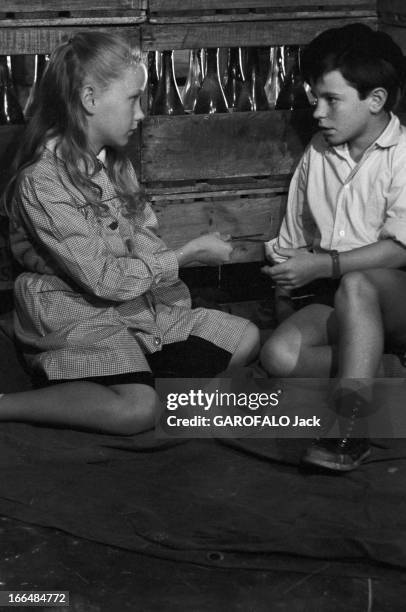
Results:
354 415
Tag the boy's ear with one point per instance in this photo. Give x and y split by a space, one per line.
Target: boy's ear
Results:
377 99
87 96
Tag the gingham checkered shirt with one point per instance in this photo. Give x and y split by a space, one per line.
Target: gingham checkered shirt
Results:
111 291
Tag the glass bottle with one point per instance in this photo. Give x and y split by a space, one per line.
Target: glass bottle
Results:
40 62
154 63
252 96
167 99
10 109
235 78
273 82
203 61
292 95
211 98
193 82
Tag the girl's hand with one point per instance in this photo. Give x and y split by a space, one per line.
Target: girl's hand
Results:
210 249
300 268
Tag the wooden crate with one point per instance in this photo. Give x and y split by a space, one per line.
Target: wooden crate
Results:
223 146
237 34
40 10
236 212
30 39
37 27
172 11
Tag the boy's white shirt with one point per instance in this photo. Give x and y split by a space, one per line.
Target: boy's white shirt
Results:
337 203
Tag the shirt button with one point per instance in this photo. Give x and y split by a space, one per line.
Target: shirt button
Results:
157 341
341 233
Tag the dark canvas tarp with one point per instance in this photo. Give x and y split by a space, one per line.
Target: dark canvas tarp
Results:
232 502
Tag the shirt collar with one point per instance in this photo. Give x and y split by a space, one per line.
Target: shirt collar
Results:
391 134
101 156
388 138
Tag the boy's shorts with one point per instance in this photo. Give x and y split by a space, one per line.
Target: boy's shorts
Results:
191 358
318 292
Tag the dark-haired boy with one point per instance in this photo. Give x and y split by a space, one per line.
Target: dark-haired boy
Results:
346 220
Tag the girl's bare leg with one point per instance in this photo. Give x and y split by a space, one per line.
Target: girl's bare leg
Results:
248 348
119 409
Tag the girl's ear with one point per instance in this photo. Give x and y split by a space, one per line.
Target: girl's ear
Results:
88 98
377 97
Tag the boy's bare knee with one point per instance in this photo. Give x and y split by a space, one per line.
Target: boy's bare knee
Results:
355 287
278 357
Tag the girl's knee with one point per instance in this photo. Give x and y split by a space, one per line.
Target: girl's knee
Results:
135 411
252 338
248 347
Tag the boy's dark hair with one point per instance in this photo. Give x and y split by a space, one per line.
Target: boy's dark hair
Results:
366 58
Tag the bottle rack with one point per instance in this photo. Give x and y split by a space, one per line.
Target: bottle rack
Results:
230 171
226 172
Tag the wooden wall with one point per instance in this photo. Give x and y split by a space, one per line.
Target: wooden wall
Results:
226 172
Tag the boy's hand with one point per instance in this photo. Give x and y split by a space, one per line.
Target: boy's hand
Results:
300 268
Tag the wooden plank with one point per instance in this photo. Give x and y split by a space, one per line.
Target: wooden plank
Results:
71 21
392 12
167 6
30 40
177 11
182 221
226 145
39 6
254 17
241 186
259 33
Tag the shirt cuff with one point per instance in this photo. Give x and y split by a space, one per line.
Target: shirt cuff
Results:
270 252
168 266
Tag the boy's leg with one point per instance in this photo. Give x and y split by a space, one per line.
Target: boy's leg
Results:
120 409
368 306
303 345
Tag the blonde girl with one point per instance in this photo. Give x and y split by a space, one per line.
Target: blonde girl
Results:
99 307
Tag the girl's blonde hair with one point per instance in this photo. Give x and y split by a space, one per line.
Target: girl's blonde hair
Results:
59 114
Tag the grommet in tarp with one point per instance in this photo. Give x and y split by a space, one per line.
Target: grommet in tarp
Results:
215 556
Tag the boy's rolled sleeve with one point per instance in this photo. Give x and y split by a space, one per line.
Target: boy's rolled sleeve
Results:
394 226
291 234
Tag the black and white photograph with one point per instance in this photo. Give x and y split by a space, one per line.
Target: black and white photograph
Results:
203 305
